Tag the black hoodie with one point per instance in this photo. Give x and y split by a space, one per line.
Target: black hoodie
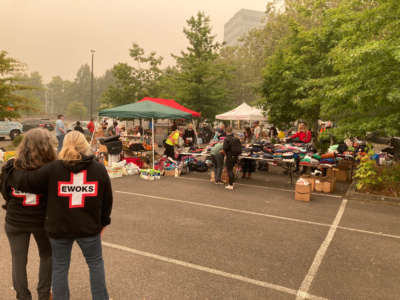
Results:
25 211
79 196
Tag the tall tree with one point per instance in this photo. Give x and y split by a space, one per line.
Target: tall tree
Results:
11 104
59 93
132 83
35 91
200 79
81 86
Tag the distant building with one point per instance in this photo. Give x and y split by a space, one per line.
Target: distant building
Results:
240 24
245 20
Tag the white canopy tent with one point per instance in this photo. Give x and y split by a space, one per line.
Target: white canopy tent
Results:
243 112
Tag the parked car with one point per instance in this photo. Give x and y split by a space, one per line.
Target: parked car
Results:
10 129
35 123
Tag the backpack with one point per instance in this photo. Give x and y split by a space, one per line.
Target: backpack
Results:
236 147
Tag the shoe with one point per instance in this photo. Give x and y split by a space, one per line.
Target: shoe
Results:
229 187
219 182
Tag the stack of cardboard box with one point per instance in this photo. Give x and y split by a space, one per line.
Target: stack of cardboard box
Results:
303 190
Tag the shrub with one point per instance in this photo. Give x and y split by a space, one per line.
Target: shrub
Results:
376 179
17 140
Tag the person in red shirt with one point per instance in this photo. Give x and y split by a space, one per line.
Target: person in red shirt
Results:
90 126
302 135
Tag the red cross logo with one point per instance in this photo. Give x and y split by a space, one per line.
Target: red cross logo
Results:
77 189
28 199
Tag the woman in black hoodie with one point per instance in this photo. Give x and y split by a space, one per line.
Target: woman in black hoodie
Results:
26 213
79 207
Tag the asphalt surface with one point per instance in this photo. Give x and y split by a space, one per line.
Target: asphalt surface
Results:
189 239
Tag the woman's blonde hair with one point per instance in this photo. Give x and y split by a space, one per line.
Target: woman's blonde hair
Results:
75 146
36 149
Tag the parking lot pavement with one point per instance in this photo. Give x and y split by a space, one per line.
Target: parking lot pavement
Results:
360 266
190 239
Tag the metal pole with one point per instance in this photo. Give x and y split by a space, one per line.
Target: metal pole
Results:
152 137
91 89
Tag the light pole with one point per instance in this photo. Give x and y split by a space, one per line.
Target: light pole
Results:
91 88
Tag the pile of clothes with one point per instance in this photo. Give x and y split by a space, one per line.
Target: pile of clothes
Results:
276 152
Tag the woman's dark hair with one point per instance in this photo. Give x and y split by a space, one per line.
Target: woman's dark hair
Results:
36 149
78 123
174 127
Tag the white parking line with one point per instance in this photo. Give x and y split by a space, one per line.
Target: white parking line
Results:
262 187
306 284
181 263
248 212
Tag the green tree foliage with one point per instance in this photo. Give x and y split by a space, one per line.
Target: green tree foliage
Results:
132 83
76 109
199 79
61 93
11 104
34 91
337 60
364 95
81 86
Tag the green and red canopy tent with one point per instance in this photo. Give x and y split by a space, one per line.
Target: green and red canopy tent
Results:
150 108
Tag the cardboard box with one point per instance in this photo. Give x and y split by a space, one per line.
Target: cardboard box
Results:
342 175
319 185
302 197
224 176
310 180
303 188
327 186
303 191
345 164
169 172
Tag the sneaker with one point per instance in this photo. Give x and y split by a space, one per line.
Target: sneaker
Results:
229 187
219 182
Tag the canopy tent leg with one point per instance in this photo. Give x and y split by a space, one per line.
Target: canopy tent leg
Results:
152 137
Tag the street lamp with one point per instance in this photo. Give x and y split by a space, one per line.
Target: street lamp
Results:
91 88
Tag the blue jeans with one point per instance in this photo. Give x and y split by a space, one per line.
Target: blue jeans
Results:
91 249
60 139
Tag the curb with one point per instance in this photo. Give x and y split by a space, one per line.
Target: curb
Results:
352 194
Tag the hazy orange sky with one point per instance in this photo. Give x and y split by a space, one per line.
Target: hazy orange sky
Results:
54 37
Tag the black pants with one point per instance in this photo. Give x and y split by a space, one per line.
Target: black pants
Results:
230 163
19 245
169 151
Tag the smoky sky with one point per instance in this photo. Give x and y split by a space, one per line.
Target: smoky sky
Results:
54 37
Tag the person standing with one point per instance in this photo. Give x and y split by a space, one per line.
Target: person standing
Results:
217 158
189 137
303 135
78 127
90 126
273 132
79 208
112 130
248 165
232 149
26 213
60 131
256 132
172 141
220 132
